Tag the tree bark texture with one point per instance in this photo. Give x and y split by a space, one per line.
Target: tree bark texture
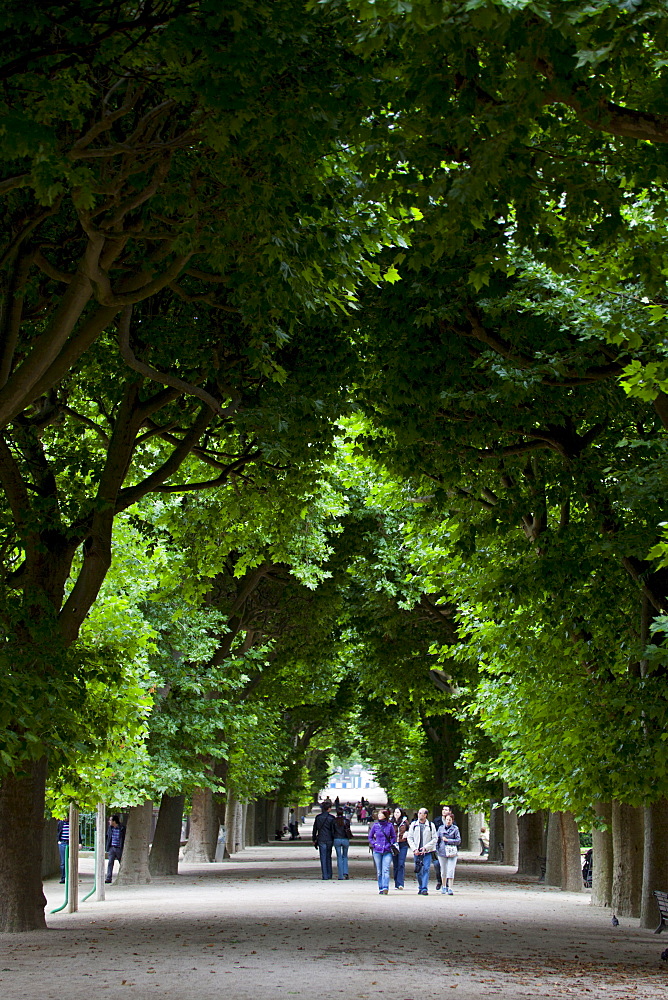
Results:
553 850
530 835
495 833
50 855
272 821
201 846
655 861
571 864
134 864
628 848
462 821
476 820
230 823
22 899
510 835
601 886
164 856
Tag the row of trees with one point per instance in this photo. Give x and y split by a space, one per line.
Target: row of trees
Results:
364 384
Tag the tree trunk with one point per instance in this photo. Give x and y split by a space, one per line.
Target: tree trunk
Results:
553 850
201 846
272 820
476 820
510 834
462 821
627 846
530 835
239 826
571 863
22 899
495 832
655 861
602 858
134 864
164 856
230 824
50 855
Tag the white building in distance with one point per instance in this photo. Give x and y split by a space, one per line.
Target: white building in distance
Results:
351 783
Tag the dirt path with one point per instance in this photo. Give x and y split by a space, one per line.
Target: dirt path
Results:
263 925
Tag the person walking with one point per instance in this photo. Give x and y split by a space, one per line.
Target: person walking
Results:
438 823
323 838
381 838
293 825
400 849
114 842
63 835
422 841
342 838
448 842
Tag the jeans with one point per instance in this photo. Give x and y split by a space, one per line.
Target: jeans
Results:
382 863
113 855
62 847
423 873
325 851
399 864
341 845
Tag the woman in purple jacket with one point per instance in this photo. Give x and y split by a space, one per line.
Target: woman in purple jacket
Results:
381 837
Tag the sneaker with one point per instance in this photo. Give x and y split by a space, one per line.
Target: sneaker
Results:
346 876
449 892
107 881
62 881
385 892
399 887
439 886
444 891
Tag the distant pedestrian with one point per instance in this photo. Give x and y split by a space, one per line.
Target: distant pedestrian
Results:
484 840
381 838
449 840
293 826
342 838
63 833
400 850
323 838
63 837
422 841
114 842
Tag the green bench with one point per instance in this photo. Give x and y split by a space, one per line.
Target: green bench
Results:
662 903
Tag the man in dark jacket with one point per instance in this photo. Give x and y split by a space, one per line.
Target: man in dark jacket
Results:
114 844
324 829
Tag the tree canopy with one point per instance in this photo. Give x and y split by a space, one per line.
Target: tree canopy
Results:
332 403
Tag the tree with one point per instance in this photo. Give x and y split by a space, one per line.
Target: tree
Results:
171 221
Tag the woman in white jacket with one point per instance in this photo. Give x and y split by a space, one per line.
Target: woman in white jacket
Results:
422 841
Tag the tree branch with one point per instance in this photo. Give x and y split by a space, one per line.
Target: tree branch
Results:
152 373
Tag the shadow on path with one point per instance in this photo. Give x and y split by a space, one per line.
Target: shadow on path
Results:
265 925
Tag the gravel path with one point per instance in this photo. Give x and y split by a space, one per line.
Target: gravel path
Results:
264 925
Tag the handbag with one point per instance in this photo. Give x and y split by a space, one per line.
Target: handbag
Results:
451 850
